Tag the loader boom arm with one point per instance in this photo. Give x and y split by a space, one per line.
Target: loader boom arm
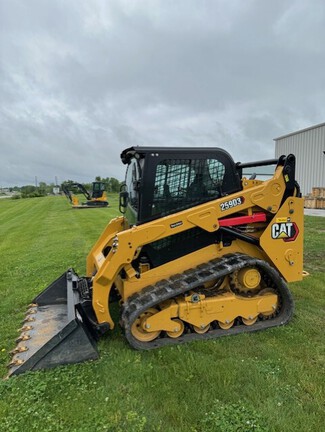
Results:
123 245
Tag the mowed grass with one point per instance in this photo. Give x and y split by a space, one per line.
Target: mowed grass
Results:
268 381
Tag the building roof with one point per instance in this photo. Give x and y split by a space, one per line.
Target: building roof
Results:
299 131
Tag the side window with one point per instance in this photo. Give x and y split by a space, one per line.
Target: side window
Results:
182 183
216 171
160 181
132 183
173 178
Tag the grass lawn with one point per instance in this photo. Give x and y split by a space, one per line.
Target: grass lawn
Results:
268 381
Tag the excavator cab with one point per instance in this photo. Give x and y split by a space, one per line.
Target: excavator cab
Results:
98 190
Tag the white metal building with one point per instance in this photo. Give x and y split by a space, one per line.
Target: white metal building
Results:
308 145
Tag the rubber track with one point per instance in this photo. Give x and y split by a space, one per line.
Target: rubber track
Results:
153 295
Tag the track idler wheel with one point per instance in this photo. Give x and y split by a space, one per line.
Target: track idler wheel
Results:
139 329
271 312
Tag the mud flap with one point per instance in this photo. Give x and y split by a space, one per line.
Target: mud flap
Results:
54 332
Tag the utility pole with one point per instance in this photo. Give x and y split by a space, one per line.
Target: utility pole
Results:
36 184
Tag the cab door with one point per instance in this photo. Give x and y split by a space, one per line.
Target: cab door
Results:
131 191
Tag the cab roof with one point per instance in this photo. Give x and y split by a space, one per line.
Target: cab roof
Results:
131 152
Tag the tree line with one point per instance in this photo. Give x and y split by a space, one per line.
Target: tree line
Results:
111 184
42 189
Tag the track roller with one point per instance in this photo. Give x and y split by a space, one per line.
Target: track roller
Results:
178 331
226 325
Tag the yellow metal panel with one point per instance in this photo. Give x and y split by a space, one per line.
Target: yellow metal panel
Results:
206 219
95 256
282 241
223 308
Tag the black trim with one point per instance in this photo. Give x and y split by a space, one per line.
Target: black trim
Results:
240 165
240 236
289 169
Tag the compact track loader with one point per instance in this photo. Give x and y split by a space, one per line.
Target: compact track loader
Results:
97 198
200 252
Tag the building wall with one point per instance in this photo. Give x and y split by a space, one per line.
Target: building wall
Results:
308 145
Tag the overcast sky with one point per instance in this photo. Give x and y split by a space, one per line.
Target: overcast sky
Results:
80 80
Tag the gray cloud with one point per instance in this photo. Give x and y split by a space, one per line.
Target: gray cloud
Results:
81 80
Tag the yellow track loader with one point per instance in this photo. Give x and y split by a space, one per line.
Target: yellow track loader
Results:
199 252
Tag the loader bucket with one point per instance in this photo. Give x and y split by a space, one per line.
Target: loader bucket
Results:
54 332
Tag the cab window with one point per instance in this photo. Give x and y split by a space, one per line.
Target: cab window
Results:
132 183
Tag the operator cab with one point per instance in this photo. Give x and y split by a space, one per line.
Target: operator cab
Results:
162 181
98 189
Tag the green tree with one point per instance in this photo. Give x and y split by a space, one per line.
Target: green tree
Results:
30 191
42 188
114 184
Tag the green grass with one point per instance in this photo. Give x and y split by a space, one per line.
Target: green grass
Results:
268 381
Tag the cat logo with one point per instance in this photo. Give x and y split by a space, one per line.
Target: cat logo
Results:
288 231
